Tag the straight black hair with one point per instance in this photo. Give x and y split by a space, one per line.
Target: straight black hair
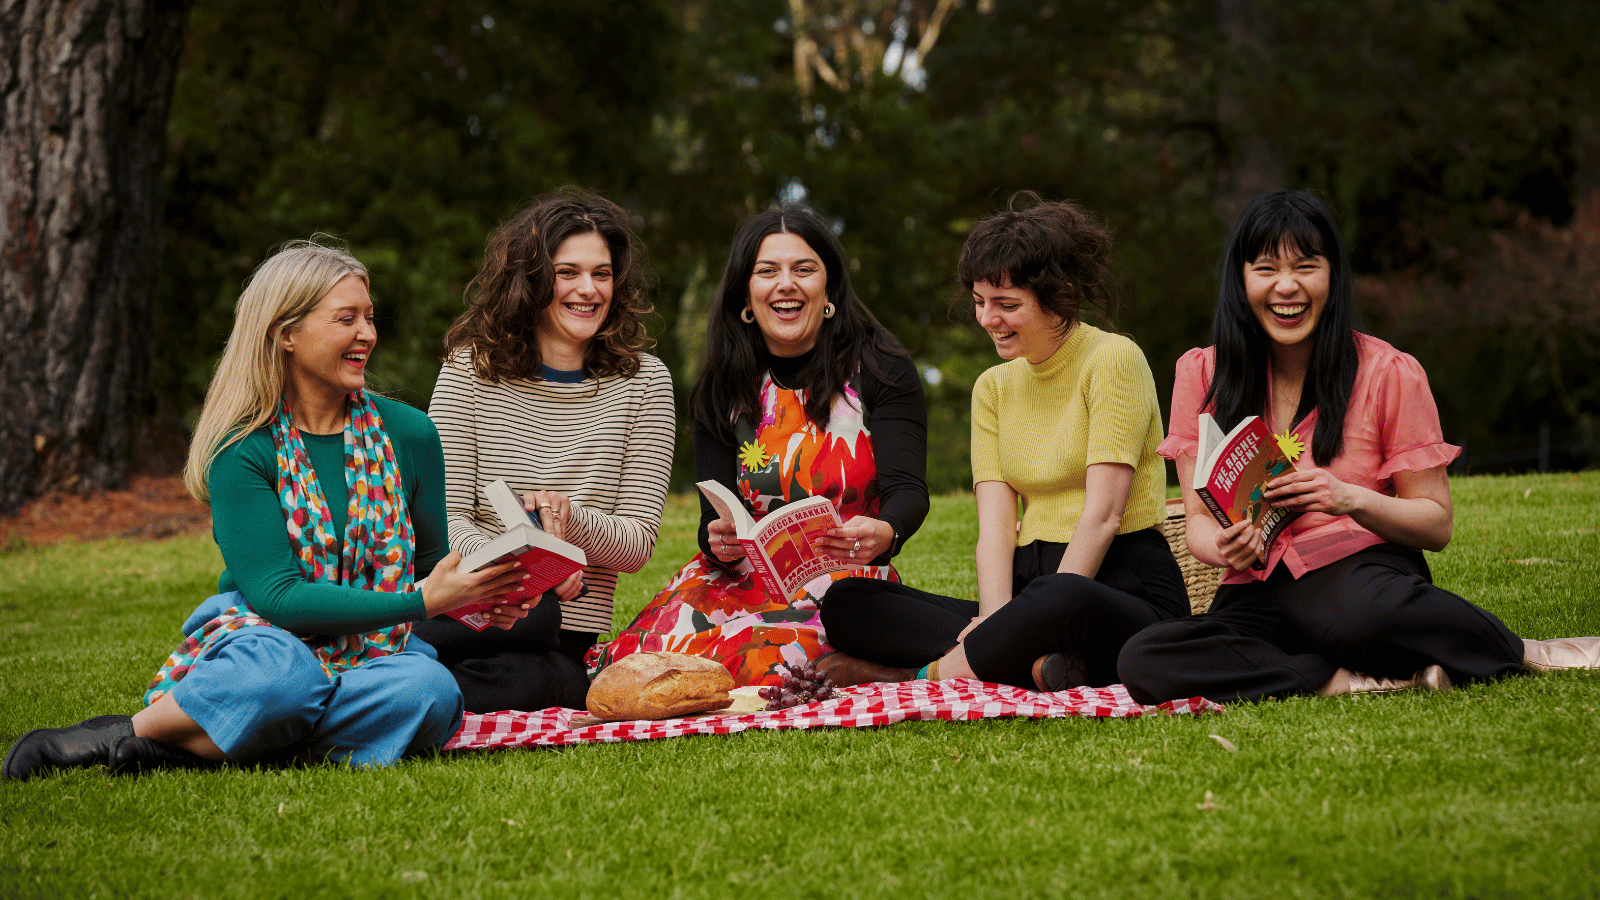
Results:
1295 222
728 387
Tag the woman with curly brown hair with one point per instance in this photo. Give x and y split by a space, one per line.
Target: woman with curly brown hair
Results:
546 385
1070 426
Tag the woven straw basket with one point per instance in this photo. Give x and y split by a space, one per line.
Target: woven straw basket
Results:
1200 579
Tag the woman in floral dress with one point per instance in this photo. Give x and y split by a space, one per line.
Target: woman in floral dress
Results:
802 393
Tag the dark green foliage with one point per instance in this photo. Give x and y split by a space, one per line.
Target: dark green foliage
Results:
410 130
406 131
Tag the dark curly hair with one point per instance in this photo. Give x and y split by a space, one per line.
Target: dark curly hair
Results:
1057 249
505 301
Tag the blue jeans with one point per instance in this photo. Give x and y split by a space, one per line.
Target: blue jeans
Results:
261 690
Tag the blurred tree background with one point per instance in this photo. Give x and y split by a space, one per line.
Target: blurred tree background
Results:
1459 140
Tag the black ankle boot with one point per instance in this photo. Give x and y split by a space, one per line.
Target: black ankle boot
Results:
132 755
87 743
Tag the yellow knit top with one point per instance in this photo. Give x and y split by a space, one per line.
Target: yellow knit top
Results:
1039 428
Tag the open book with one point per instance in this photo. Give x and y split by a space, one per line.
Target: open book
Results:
1231 472
549 560
783 547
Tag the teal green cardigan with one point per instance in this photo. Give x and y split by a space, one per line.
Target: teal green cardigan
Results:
248 524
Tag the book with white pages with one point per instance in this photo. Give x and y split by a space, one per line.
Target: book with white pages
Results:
785 547
548 560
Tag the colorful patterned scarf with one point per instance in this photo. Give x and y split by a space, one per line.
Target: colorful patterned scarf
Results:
378 542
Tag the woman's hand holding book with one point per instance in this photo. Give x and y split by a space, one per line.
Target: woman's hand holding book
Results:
861 539
1239 544
553 508
447 588
723 536
1311 490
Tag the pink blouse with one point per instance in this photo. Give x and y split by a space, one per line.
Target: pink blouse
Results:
1390 425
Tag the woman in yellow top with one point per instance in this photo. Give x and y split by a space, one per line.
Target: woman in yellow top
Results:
1070 425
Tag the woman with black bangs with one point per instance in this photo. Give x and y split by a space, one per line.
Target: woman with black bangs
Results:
1345 601
1070 427
802 394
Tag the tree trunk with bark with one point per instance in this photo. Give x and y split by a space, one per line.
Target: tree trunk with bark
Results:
85 88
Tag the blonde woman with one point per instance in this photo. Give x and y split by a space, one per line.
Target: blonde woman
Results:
327 503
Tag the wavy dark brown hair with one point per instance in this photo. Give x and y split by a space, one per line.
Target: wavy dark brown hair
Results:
505 302
1057 249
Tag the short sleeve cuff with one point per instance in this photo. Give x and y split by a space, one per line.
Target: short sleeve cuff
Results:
1177 445
1125 458
985 474
1420 459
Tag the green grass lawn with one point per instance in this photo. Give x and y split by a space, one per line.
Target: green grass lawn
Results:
1488 791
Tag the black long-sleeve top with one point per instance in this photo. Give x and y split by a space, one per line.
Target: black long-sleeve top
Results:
897 417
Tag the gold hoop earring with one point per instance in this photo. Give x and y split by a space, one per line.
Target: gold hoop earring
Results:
746 316
829 310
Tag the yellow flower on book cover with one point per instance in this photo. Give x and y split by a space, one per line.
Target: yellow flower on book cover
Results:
753 456
1290 444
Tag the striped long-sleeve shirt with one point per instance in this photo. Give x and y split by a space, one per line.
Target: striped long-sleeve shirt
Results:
607 446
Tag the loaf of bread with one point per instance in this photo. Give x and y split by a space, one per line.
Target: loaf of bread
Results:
658 685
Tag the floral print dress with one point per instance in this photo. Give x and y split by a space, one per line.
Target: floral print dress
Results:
724 614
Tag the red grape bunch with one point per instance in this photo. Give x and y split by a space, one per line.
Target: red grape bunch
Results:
801 684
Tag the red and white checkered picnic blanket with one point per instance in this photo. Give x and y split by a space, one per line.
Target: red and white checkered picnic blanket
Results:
854 707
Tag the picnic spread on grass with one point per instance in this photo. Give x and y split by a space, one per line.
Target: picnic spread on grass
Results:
861 706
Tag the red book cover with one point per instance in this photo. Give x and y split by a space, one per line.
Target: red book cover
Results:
783 548
549 560
1232 471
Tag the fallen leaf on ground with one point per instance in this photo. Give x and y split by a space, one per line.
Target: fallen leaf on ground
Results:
1226 744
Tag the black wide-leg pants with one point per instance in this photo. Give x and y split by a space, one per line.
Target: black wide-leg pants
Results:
1376 611
1139 584
535 664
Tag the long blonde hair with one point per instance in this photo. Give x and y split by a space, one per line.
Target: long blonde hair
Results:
248 386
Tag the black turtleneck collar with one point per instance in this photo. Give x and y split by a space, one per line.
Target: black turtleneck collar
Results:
786 370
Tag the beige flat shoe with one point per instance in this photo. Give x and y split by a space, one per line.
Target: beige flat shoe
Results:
1432 679
1562 653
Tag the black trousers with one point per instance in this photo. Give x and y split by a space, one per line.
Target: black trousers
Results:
536 664
1139 584
1376 611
